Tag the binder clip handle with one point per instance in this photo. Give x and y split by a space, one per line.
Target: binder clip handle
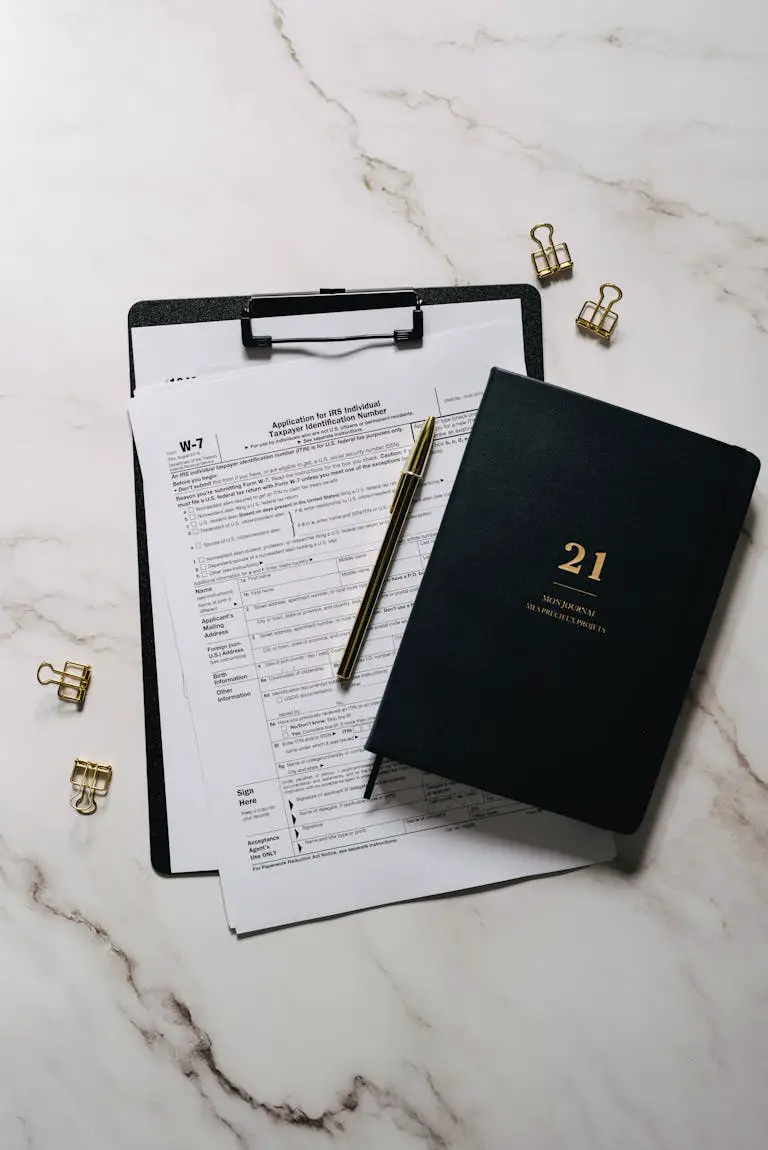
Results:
601 300
548 228
47 682
83 802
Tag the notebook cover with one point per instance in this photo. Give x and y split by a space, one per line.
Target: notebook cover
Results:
565 602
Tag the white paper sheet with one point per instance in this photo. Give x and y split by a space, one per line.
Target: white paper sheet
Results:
178 351
272 506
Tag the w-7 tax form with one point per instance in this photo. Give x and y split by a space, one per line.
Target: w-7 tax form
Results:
184 350
272 494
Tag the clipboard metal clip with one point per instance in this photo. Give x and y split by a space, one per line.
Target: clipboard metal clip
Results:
327 300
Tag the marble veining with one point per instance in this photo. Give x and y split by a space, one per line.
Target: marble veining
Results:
379 176
169 1030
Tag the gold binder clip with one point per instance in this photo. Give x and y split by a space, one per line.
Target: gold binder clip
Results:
597 318
88 780
73 681
552 260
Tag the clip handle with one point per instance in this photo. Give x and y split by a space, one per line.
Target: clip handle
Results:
47 682
601 300
84 802
536 239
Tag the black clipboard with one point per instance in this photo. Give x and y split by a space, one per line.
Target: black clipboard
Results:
257 309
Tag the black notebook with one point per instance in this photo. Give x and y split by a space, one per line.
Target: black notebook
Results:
565 602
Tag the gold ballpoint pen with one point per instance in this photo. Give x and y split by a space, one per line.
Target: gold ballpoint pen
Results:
405 493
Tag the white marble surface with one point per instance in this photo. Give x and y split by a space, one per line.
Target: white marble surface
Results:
161 149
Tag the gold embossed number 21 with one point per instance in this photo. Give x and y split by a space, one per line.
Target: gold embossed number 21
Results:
573 566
